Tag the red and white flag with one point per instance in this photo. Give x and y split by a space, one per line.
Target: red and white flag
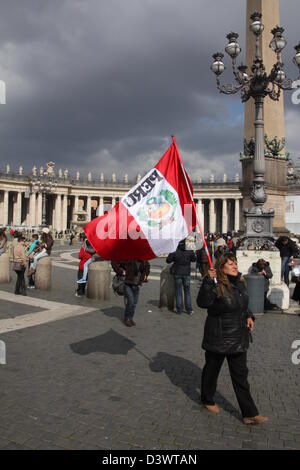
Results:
151 218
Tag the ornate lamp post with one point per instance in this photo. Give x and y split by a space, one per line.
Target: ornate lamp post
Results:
45 184
257 85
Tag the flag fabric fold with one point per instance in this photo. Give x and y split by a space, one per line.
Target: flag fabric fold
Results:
151 218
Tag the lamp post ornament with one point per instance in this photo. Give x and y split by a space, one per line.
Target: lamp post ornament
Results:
44 185
257 85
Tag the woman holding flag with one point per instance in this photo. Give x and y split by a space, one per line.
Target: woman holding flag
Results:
227 333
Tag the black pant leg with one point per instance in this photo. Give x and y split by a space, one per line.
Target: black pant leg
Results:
239 375
81 286
19 283
23 284
210 376
17 288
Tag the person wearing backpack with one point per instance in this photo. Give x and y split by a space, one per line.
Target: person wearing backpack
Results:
135 273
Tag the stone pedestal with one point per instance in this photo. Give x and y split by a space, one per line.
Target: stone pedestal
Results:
278 293
42 278
4 269
167 290
99 280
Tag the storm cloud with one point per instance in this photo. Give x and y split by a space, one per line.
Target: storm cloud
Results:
100 85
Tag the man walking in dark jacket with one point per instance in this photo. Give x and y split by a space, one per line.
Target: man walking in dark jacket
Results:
288 251
182 260
136 273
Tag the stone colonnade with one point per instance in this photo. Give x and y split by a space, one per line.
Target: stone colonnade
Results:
218 213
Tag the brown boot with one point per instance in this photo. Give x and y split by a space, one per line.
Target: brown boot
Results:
255 420
213 408
30 272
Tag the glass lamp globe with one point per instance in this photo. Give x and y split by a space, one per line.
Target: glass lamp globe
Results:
218 66
297 56
278 42
297 59
233 48
280 77
243 71
256 26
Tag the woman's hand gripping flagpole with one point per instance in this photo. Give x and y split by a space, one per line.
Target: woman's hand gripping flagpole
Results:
197 219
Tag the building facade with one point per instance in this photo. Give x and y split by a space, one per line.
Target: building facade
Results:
218 203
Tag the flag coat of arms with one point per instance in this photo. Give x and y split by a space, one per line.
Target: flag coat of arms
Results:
151 218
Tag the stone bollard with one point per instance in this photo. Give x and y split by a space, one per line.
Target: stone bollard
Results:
99 280
167 289
9 250
4 268
42 279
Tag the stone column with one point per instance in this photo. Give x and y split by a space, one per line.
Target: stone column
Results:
32 210
38 218
18 211
212 216
76 204
5 208
237 215
224 216
89 208
200 213
58 215
65 212
101 204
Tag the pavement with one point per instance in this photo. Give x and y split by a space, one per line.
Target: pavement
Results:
77 378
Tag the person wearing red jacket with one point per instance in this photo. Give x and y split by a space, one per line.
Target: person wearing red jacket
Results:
85 253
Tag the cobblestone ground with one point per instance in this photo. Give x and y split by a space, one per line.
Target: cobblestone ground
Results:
88 382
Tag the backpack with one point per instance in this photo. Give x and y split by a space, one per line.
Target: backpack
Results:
118 285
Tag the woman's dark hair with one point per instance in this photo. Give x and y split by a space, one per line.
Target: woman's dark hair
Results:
223 284
35 236
21 238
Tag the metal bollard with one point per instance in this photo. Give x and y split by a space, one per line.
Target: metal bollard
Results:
256 290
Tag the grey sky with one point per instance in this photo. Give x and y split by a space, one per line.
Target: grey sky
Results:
100 85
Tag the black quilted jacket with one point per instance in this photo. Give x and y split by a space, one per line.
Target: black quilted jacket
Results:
225 330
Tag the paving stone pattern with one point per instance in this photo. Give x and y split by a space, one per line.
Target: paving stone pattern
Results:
89 382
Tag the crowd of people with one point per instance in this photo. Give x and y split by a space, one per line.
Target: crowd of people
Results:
26 258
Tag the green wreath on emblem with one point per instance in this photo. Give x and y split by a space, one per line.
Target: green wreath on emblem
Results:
159 204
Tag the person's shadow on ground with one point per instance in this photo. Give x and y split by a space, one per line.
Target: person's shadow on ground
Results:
110 342
187 376
114 312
